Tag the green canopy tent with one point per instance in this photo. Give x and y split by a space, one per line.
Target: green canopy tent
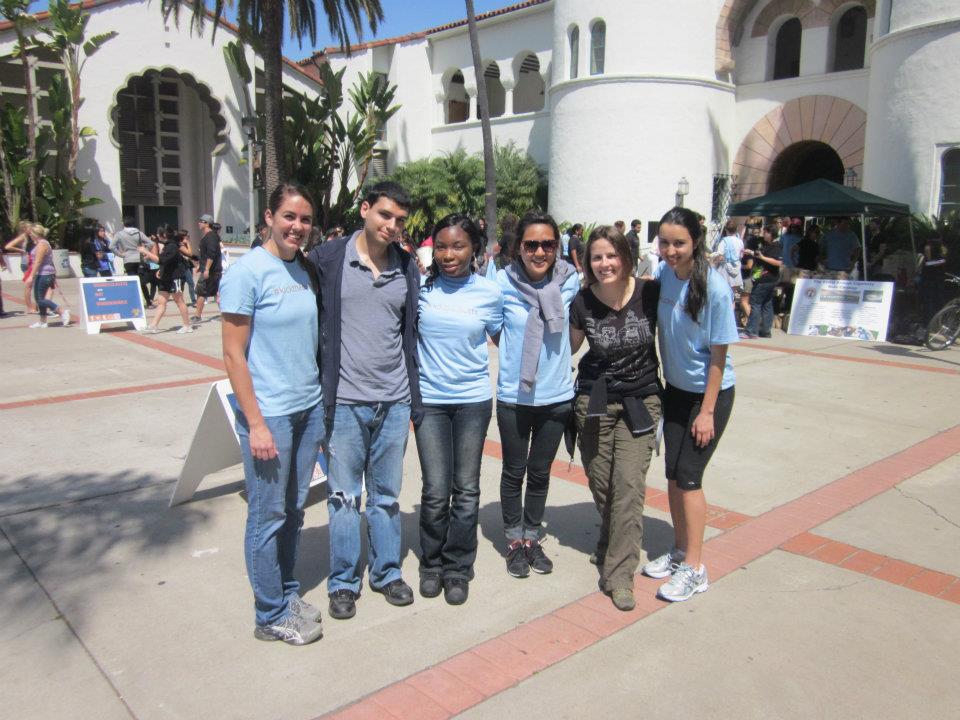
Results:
826 199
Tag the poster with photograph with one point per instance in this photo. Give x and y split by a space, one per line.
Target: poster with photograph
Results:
847 309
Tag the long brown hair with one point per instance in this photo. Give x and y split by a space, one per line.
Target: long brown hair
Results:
620 246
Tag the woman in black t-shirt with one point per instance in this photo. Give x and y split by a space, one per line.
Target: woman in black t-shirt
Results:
767 263
617 403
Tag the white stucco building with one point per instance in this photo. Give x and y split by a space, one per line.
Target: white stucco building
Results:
617 99
167 111
621 99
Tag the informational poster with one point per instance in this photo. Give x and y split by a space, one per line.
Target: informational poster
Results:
847 309
216 445
111 300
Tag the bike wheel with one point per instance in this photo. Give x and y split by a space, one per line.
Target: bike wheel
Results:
944 328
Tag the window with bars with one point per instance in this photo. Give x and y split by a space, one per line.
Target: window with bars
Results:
574 52
950 182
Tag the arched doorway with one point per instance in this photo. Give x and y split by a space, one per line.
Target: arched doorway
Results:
166 126
805 161
792 140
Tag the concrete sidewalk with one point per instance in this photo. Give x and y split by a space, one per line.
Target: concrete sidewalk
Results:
832 551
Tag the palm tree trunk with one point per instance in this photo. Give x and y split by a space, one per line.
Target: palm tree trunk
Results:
30 209
489 170
7 187
274 141
73 77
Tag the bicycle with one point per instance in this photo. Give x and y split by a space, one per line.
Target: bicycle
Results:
944 327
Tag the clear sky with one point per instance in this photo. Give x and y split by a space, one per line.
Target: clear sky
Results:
400 17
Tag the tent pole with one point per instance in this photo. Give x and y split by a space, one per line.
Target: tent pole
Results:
863 240
913 243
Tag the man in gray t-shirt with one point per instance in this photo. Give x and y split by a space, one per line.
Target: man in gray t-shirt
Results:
370 291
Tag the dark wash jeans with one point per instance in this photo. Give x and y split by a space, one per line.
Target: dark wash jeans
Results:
761 308
530 436
450 445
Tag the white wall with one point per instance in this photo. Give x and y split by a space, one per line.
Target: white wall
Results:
909 13
530 131
914 110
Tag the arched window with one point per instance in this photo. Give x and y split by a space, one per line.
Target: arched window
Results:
851 40
950 182
528 95
786 55
457 102
496 95
574 52
598 45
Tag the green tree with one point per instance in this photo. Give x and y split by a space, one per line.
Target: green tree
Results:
16 12
261 25
67 33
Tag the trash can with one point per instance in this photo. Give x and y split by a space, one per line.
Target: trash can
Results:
61 261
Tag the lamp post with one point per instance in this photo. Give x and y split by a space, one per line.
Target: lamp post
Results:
249 123
683 189
850 178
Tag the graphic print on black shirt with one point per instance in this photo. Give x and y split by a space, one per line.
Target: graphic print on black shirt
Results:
621 342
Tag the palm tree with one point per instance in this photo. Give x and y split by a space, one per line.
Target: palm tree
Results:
17 13
261 25
489 168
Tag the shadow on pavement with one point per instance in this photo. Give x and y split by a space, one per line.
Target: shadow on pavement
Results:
899 351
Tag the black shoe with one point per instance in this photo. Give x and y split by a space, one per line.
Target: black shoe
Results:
430 585
455 590
517 563
765 335
343 604
539 562
397 593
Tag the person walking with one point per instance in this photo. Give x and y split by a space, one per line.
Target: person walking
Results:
211 264
534 384
459 309
23 243
42 276
270 340
187 266
617 403
695 326
127 244
371 392
170 261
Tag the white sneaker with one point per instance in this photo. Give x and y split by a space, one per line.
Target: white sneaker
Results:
184 330
662 566
684 583
39 324
66 317
149 330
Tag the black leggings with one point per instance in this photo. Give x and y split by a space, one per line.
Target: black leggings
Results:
685 462
530 436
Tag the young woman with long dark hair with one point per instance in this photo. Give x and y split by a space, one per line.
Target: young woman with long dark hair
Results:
170 260
617 402
270 339
458 310
696 325
534 385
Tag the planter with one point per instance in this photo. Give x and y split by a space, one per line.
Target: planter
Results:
61 261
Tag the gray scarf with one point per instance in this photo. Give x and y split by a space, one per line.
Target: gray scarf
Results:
546 308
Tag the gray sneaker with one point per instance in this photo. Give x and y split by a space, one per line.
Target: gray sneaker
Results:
684 583
293 630
299 606
662 566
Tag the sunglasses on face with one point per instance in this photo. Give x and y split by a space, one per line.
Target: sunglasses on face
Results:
548 246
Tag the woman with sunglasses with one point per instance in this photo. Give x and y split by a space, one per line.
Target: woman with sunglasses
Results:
534 386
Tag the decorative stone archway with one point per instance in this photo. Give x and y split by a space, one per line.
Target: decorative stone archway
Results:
812 13
825 119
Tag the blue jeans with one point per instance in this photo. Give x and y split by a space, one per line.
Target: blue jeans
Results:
41 284
450 445
187 276
276 493
364 448
761 308
89 272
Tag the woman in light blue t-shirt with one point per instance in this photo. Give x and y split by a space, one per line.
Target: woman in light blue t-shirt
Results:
534 385
268 300
695 323
458 310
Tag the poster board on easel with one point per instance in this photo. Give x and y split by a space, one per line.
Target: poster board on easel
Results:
216 446
105 300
